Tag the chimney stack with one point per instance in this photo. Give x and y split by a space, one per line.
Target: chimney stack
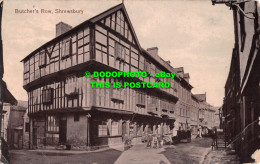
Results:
61 28
153 51
179 71
168 62
186 76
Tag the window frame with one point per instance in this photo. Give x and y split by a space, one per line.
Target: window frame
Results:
45 93
66 48
27 127
42 59
104 126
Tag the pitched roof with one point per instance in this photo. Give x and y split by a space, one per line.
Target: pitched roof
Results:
7 95
91 20
194 97
112 10
201 97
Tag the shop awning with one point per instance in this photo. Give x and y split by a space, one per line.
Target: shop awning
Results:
7 97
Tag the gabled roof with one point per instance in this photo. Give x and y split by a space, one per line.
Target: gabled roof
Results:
112 10
93 20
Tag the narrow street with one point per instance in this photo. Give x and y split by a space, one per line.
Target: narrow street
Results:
193 152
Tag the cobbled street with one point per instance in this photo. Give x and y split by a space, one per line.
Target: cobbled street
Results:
193 152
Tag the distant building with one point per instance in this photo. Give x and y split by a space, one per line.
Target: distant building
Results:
206 114
26 130
5 119
183 110
15 125
195 108
7 101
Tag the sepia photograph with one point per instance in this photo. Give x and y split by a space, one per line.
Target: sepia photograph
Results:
130 81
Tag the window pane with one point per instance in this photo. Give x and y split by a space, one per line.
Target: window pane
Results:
101 38
74 48
80 42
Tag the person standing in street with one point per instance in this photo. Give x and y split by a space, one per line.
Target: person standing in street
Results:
159 140
149 140
155 141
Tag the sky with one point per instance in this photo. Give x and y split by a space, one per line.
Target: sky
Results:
192 34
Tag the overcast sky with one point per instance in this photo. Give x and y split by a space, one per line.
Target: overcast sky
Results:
191 34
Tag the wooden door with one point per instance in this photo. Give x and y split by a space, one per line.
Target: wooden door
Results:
124 132
63 131
34 136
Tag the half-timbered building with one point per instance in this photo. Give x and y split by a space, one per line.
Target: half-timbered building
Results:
64 108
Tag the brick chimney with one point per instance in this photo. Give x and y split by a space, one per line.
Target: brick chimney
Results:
61 28
179 71
153 51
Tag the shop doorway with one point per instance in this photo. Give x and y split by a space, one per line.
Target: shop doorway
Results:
34 136
63 130
124 131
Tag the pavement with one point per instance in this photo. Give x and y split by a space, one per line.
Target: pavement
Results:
63 157
221 157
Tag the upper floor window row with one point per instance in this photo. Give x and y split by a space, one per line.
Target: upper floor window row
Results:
65 48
